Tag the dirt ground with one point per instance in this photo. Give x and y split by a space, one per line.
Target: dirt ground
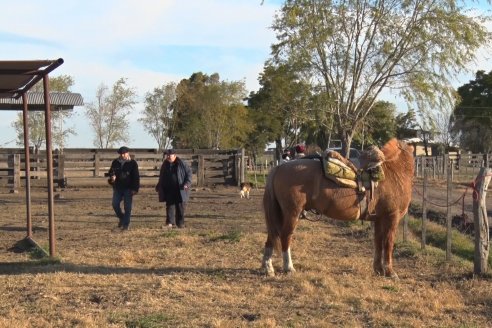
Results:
207 275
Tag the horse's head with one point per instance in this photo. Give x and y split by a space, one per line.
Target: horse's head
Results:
395 149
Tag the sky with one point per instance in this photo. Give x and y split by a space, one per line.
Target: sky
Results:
148 42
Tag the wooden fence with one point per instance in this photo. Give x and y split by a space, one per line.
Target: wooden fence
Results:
464 166
73 166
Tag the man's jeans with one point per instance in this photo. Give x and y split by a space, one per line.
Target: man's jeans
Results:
124 195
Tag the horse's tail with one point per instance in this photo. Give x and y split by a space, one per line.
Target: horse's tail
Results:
273 212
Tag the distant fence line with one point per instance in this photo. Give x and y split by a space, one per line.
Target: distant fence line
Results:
209 166
463 166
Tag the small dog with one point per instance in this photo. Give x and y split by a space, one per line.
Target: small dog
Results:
245 188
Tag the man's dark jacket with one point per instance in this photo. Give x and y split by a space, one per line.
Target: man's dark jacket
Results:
127 175
184 179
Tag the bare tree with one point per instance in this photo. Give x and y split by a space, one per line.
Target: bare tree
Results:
158 114
108 115
60 130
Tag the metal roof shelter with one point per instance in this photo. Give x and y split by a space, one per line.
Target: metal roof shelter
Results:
58 101
16 78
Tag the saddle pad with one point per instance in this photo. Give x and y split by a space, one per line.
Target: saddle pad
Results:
340 173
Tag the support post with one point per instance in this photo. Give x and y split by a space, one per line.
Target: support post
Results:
481 222
27 165
49 165
424 205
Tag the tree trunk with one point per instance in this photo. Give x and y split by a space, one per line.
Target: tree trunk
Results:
346 138
278 150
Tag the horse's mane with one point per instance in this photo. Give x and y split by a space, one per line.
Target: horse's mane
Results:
399 160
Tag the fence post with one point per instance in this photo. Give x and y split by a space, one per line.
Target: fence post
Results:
405 227
97 165
434 167
60 167
242 167
14 172
424 204
445 165
200 171
448 216
481 222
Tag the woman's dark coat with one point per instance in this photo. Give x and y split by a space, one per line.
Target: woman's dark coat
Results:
184 179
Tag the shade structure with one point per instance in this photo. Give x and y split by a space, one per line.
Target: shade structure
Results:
16 78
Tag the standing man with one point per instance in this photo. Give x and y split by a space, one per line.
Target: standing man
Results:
173 188
125 178
300 149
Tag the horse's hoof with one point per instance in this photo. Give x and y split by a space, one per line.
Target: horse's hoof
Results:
378 272
270 273
392 275
290 271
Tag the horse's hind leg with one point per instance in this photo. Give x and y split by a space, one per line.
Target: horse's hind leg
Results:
266 263
285 240
378 249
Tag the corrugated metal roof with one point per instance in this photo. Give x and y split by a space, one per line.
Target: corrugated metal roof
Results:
17 76
35 101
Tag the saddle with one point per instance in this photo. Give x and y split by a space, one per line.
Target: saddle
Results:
364 179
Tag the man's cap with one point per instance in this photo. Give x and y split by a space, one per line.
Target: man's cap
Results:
170 151
123 150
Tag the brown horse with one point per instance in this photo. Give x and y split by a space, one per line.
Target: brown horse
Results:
300 185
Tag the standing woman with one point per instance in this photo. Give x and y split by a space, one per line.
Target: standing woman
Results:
173 188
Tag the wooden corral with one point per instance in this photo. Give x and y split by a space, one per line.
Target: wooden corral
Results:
76 166
465 166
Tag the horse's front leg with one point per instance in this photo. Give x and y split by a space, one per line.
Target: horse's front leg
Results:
386 244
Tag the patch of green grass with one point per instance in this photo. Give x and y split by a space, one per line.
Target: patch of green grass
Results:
407 249
392 289
233 236
171 233
462 245
36 253
259 181
155 320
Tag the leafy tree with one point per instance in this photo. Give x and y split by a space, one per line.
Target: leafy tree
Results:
280 107
209 113
158 114
378 127
356 49
108 115
473 114
406 124
36 122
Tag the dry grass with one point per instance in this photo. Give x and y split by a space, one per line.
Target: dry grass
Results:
207 275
